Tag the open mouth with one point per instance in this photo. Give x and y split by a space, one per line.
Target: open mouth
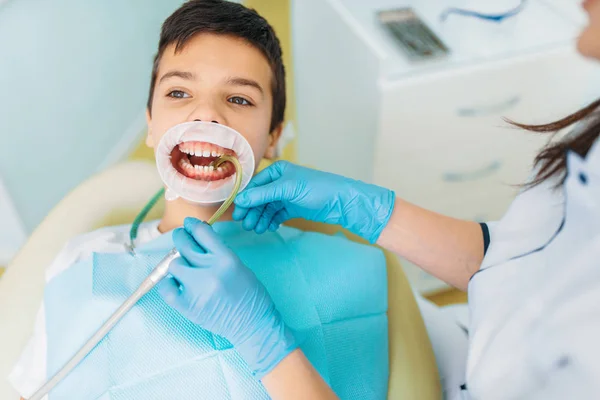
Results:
194 160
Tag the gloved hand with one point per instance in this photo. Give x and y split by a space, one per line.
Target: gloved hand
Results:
284 191
211 287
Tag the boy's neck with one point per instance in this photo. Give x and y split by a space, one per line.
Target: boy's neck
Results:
178 210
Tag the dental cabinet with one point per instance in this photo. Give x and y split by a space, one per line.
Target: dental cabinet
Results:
432 129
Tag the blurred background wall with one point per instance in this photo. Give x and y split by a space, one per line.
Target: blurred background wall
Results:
74 78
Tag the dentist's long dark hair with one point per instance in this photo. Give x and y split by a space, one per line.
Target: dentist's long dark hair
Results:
552 160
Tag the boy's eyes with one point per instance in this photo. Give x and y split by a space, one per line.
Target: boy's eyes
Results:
239 101
178 94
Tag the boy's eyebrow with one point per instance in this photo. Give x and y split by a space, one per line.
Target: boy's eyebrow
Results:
238 81
180 74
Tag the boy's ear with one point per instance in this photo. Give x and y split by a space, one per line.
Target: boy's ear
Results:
274 137
149 139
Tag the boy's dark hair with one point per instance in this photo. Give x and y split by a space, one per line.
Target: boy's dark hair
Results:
224 18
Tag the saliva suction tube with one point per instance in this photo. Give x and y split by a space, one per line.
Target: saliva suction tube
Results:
158 274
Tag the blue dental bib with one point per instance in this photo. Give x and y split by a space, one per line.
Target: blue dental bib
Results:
330 291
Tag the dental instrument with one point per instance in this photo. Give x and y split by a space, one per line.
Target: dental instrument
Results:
158 273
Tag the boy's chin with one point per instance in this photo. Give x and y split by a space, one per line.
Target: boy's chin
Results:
181 202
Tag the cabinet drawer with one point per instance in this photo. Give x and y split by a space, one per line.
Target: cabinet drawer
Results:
465 105
468 183
507 160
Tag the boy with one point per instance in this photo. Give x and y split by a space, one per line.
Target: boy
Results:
217 62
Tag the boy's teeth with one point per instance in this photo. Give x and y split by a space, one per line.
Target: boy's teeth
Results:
200 150
199 168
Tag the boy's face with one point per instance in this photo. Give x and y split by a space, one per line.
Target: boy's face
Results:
215 78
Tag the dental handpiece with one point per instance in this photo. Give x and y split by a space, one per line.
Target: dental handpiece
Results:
160 271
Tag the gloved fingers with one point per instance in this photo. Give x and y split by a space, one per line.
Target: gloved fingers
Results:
204 235
244 201
189 249
275 191
267 216
268 175
239 213
281 216
263 225
185 243
249 223
183 271
190 276
170 290
264 177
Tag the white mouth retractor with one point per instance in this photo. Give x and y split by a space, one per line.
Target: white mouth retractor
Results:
200 191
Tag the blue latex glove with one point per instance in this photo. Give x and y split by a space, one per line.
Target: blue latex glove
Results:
211 287
284 191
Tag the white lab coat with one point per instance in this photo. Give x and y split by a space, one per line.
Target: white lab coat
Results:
535 303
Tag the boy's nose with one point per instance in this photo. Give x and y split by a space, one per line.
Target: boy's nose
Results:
206 113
